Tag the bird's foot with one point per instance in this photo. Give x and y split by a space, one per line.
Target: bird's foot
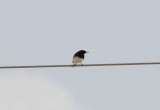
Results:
73 65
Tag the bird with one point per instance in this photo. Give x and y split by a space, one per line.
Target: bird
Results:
78 57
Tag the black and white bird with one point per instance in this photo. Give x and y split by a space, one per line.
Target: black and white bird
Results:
78 57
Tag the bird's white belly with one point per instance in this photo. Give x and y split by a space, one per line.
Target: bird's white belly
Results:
77 60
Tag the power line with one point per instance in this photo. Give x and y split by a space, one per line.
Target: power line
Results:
86 65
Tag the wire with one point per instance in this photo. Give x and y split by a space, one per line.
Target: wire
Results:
86 65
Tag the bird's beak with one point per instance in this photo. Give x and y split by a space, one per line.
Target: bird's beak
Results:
87 52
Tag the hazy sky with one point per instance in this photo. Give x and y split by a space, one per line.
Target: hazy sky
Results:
38 32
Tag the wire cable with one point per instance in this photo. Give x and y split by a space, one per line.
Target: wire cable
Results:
86 65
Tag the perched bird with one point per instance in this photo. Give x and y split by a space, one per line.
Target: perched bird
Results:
78 57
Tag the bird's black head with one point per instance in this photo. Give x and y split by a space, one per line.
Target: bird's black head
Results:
82 51
80 54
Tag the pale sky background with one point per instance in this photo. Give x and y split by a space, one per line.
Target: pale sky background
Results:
44 32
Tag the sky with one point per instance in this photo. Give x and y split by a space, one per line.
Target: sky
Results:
38 32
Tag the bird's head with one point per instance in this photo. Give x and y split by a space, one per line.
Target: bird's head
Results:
83 51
